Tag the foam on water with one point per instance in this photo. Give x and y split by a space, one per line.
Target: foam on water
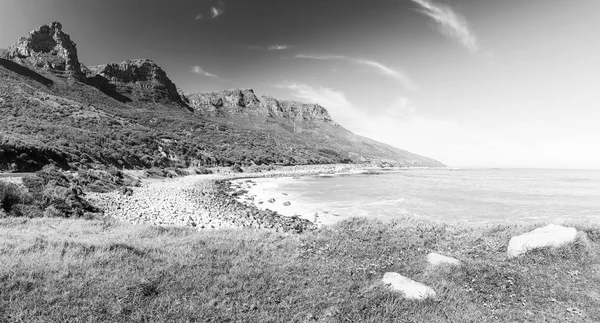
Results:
476 195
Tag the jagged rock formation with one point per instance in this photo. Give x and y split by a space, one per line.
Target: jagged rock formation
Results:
224 103
47 47
239 102
136 80
299 125
48 118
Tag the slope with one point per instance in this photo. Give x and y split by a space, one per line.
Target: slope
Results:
131 115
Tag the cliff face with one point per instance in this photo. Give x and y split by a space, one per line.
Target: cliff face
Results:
136 80
47 47
244 102
72 123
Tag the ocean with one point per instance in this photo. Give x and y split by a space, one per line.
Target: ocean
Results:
470 195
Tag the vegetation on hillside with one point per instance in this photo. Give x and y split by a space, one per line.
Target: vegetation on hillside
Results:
72 124
92 271
50 193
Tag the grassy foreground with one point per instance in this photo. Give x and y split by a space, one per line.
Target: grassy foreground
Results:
63 270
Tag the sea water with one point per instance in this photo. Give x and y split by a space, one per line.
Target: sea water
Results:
471 195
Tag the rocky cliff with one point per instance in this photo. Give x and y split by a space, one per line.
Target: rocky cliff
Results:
240 102
135 80
48 118
49 48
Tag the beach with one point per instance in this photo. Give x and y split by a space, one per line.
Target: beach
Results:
222 200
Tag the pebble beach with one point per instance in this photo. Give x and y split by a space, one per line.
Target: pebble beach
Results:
222 200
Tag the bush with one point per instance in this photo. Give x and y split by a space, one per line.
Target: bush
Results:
51 173
203 171
52 212
27 211
34 185
52 192
11 196
236 169
115 172
155 172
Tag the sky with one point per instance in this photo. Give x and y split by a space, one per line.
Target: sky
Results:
472 83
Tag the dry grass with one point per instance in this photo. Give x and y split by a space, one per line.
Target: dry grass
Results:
57 270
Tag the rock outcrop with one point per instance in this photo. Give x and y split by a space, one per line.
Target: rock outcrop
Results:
47 47
227 127
551 235
137 80
410 288
240 102
225 103
436 259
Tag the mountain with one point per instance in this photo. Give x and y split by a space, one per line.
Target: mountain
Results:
290 121
134 80
131 115
47 47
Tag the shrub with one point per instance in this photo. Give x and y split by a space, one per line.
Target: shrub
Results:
27 211
11 195
52 212
236 169
180 172
51 173
155 172
115 172
34 185
203 171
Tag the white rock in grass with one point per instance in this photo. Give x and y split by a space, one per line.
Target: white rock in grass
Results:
551 235
410 288
436 259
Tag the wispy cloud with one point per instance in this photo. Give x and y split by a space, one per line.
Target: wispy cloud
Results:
404 79
450 23
198 16
275 47
326 97
278 47
200 71
217 11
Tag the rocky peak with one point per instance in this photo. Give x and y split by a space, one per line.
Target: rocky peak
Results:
137 79
47 47
305 110
245 102
232 102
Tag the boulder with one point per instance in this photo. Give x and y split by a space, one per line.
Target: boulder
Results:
551 235
410 288
436 259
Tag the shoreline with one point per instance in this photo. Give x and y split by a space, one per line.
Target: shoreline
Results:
207 202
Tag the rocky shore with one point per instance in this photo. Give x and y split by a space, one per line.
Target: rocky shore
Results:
208 201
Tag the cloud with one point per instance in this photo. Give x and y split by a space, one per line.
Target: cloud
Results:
399 125
278 47
200 71
450 24
216 12
198 16
275 47
326 97
404 79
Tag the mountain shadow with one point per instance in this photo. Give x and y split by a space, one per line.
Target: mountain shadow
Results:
17 68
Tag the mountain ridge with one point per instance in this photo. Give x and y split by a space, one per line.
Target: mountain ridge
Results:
131 115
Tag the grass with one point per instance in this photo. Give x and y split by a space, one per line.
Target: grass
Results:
64 270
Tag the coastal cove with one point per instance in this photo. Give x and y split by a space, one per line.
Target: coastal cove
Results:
449 195
184 249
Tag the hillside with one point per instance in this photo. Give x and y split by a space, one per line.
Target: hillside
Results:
131 115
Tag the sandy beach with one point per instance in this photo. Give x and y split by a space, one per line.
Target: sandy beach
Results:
266 194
